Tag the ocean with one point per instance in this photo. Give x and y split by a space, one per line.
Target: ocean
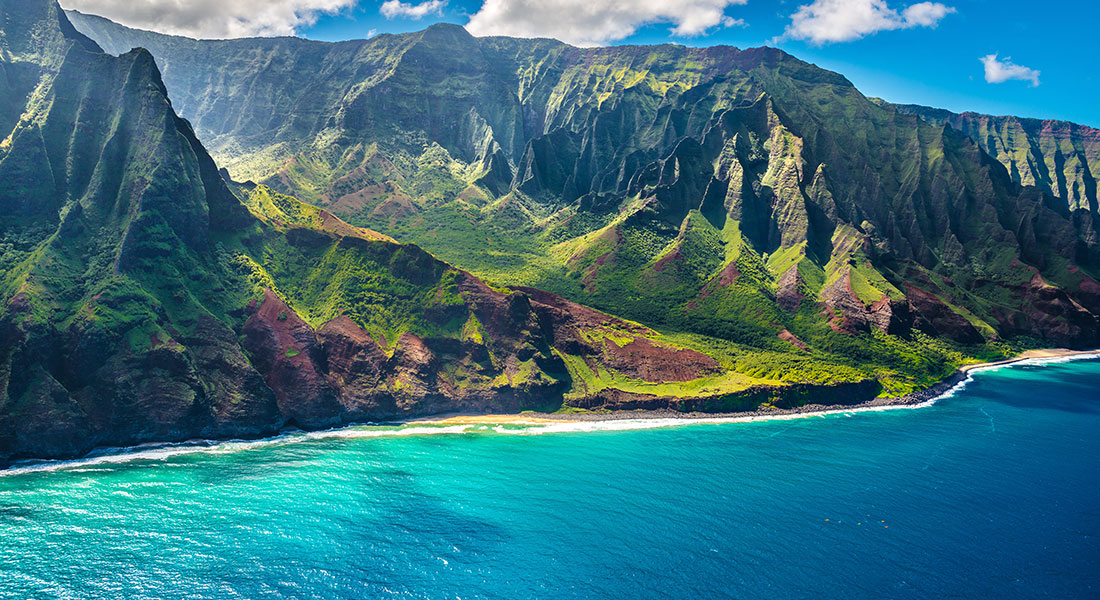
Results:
991 492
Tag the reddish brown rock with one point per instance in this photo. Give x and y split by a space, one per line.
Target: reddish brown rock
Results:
645 360
787 336
937 318
1051 313
853 315
789 293
286 352
728 275
356 368
884 314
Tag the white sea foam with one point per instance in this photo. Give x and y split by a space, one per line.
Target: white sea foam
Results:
368 431
1032 362
163 452
150 452
1019 363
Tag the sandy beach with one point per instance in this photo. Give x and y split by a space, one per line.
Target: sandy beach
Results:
1043 354
507 419
580 422
916 399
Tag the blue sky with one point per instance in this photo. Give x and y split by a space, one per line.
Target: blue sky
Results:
904 51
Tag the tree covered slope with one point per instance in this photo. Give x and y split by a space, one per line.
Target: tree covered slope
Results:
740 194
146 297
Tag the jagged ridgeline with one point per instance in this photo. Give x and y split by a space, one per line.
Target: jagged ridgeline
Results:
776 237
745 195
146 297
1060 158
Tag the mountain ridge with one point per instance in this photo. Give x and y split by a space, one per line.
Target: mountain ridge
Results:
762 232
592 119
148 298
1059 157
554 141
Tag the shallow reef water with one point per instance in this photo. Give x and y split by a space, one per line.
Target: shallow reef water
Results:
989 492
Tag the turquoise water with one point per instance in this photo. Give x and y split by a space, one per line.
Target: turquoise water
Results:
991 493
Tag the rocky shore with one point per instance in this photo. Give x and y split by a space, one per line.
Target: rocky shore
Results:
912 400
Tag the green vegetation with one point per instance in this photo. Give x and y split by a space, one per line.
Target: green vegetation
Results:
590 380
723 229
744 205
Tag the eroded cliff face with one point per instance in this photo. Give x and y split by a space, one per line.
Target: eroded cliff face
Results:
512 363
648 175
340 373
101 180
775 236
146 298
1058 157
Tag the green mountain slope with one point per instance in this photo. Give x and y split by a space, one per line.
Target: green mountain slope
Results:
744 195
1058 157
775 237
145 297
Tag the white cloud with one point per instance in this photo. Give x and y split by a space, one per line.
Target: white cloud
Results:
925 14
828 21
396 8
597 22
213 18
1000 71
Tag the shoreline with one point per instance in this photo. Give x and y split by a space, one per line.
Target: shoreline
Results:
1043 354
543 422
917 399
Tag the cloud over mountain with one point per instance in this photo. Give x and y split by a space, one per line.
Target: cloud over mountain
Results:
213 18
597 22
1000 71
395 8
830 21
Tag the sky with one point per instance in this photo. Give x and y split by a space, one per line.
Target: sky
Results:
1020 57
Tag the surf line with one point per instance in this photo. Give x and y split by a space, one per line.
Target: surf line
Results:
514 425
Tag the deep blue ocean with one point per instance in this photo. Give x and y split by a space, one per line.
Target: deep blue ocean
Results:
992 492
